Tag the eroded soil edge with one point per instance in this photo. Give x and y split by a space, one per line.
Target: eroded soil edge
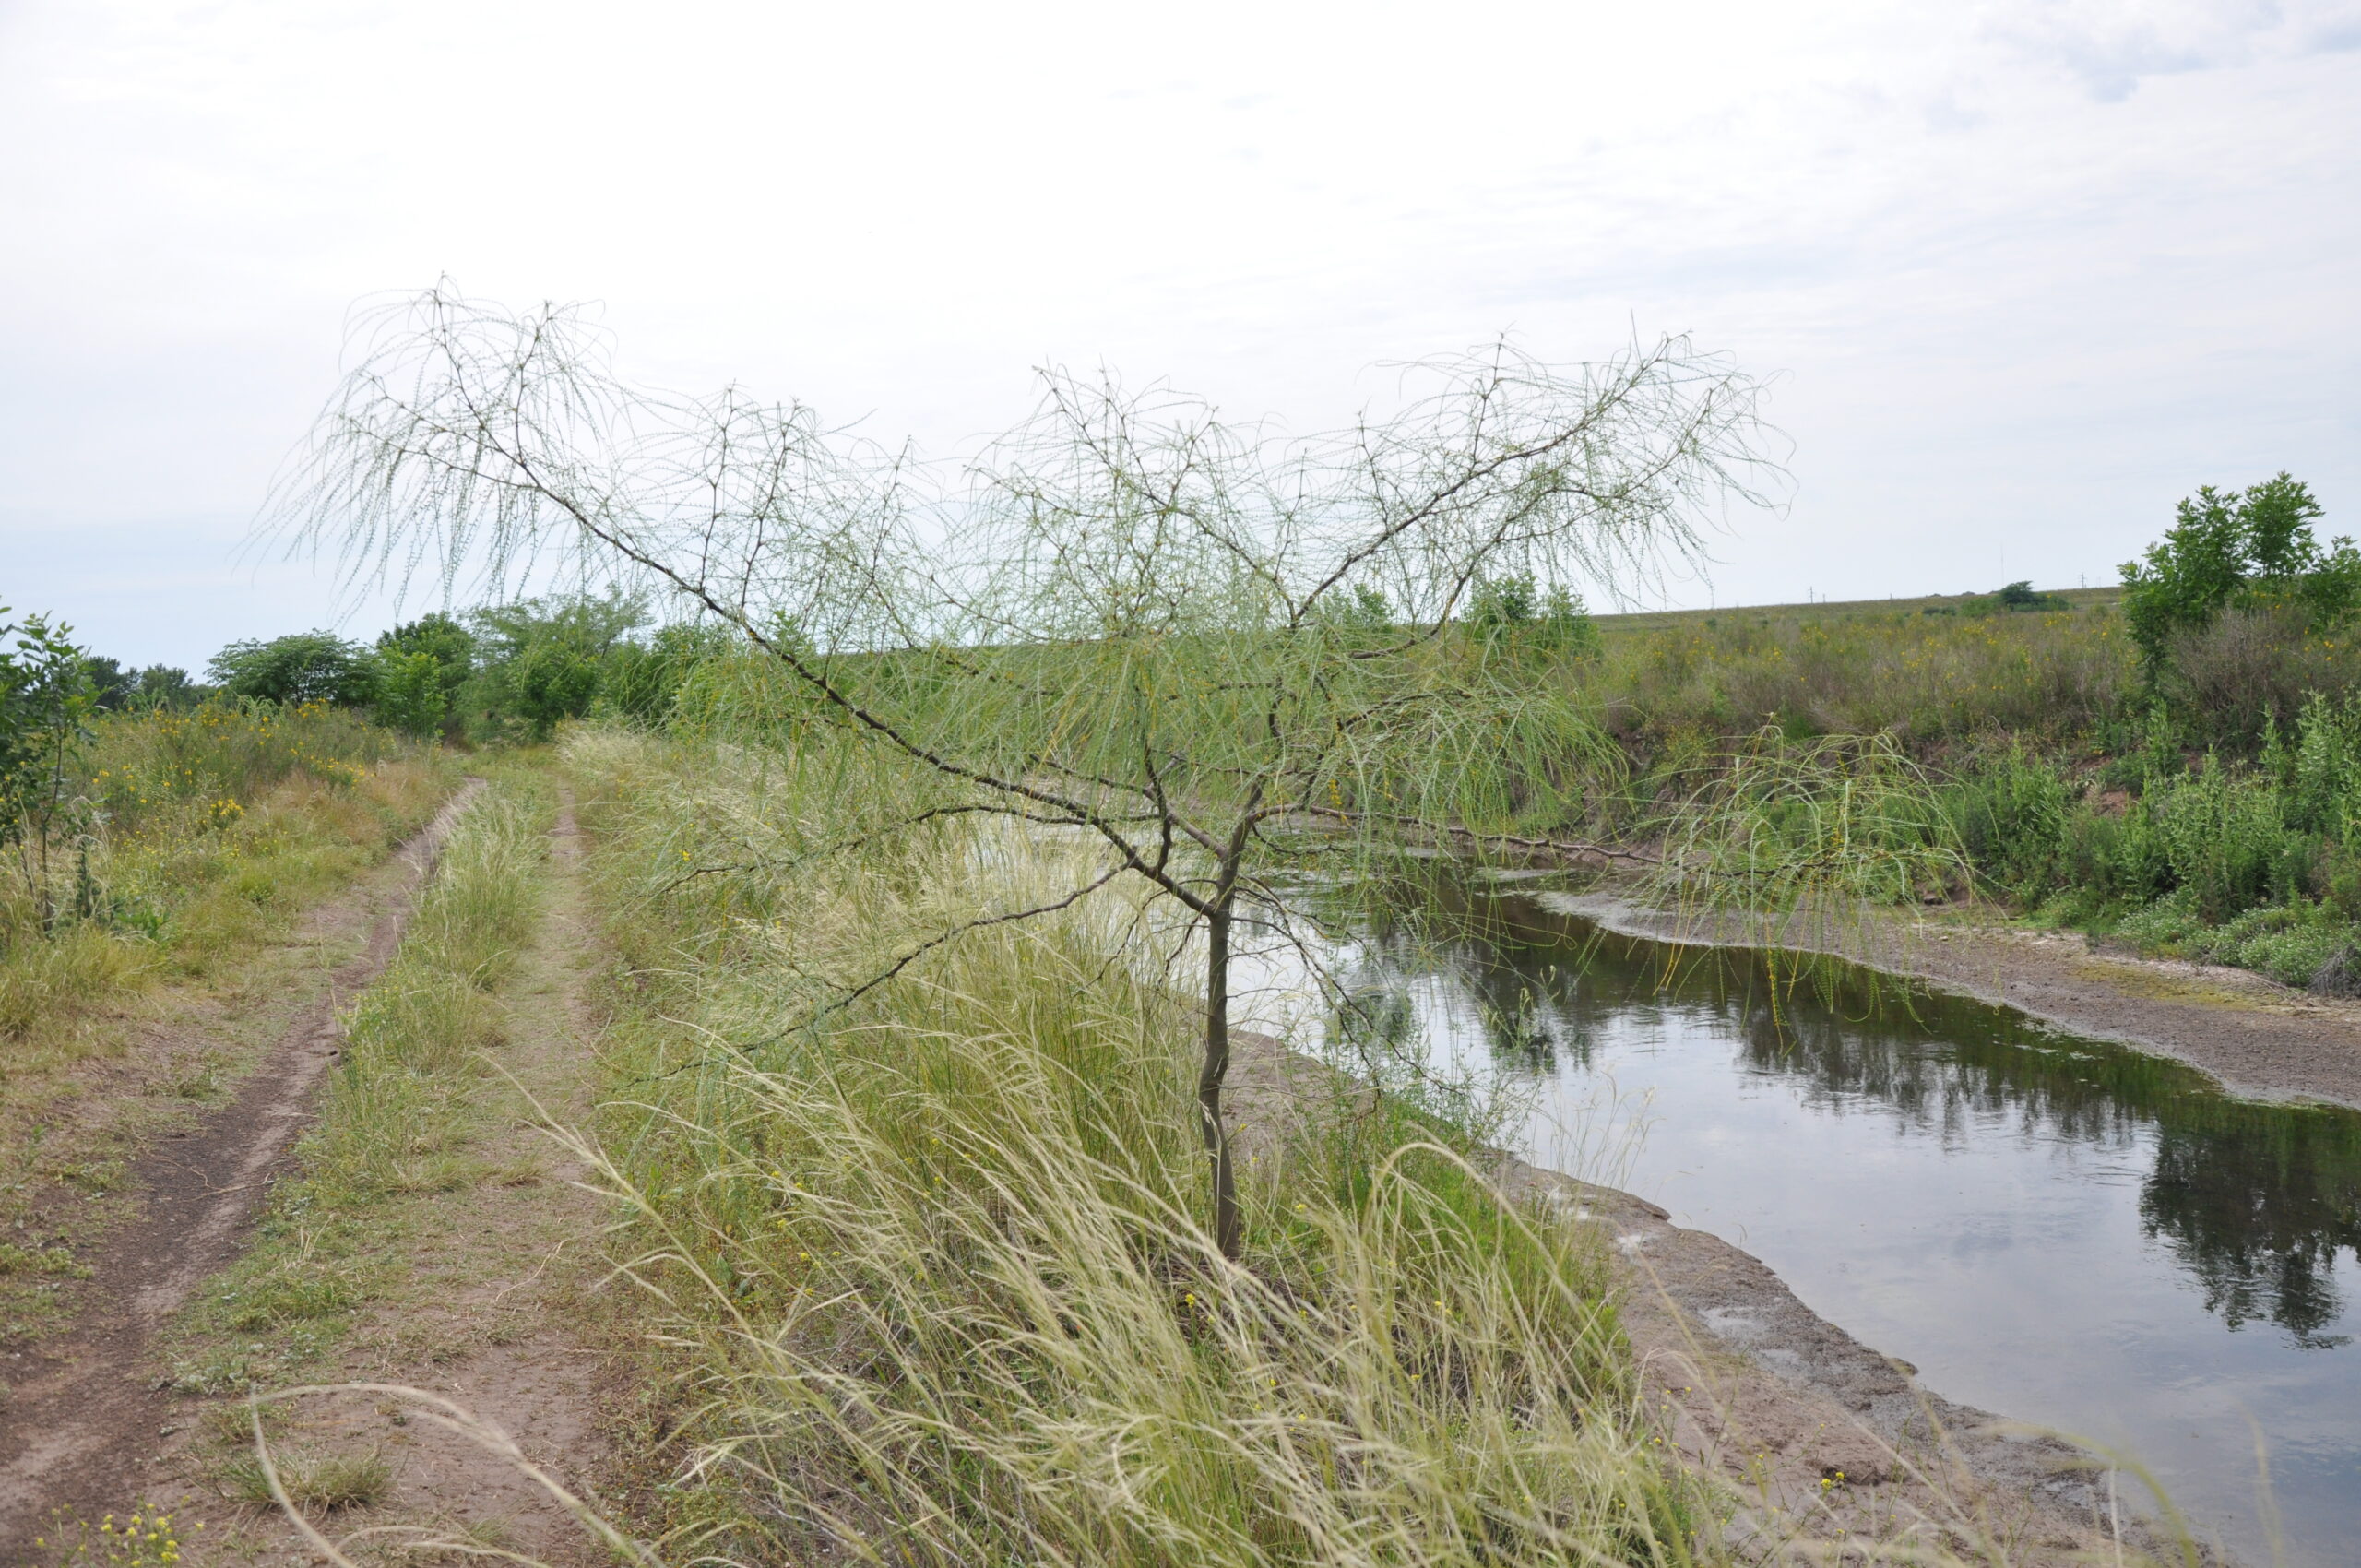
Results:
2254 1036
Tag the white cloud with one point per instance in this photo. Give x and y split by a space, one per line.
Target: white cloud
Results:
2034 270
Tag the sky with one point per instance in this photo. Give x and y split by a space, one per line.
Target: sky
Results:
2024 274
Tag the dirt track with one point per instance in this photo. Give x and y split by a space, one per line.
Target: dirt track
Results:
82 1434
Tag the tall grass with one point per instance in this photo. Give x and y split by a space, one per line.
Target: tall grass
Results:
201 833
930 1283
1925 679
146 770
933 1263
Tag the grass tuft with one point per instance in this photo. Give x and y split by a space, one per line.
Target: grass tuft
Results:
310 1481
935 1273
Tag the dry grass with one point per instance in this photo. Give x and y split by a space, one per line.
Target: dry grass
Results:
1860 669
312 1481
184 878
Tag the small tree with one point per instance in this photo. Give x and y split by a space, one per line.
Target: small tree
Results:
165 687
449 649
1215 653
2231 550
544 660
46 700
410 692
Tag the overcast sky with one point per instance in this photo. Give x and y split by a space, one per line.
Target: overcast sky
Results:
2028 272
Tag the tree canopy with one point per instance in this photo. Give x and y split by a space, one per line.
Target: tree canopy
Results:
299 667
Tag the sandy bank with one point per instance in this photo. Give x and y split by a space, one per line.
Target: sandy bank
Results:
2256 1036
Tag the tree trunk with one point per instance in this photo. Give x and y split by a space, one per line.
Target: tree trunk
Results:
1216 1068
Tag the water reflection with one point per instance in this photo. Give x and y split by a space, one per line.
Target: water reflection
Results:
2256 1200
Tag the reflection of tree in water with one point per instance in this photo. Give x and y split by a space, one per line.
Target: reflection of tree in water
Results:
2257 1201
1520 999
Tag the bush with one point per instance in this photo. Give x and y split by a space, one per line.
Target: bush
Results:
2225 842
2339 973
410 692
2012 816
449 651
2250 669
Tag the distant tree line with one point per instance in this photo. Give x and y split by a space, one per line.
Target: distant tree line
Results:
509 672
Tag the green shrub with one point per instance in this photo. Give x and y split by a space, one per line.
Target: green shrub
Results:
2011 814
410 692
2164 925
2287 942
2226 843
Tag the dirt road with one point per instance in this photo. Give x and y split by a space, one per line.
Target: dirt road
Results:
83 1431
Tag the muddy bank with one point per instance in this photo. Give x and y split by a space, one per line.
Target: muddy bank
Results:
2254 1036
1823 1440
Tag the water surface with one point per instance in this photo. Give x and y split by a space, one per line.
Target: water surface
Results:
2058 1229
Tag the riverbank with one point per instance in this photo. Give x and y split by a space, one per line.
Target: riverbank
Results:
2255 1037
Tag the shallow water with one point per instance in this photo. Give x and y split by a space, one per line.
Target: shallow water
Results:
2061 1230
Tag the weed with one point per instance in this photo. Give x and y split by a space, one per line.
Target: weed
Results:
140 1537
55 1261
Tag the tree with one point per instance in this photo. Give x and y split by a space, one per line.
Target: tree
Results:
544 660
641 681
422 667
2230 550
165 685
118 690
449 645
111 686
1500 605
299 668
1128 618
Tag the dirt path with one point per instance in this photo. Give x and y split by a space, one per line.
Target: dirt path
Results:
84 1432
496 1302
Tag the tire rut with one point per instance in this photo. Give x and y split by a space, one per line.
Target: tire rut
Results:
84 1436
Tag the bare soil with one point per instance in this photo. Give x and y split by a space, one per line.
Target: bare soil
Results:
81 1431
